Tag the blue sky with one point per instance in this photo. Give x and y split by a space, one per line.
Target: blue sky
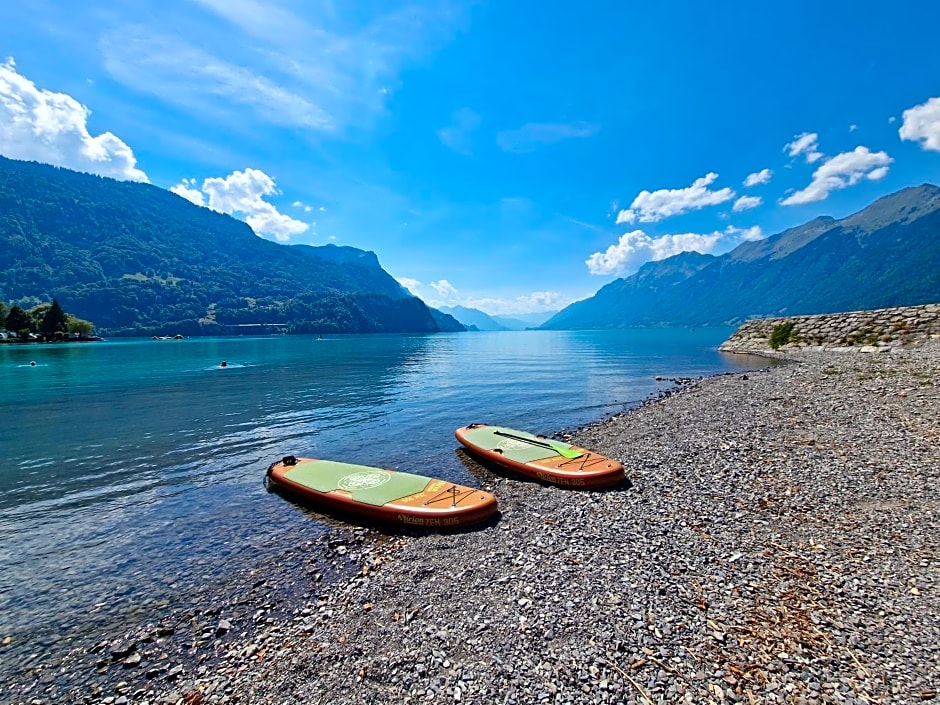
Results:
511 157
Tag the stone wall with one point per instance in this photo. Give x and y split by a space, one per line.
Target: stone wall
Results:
862 331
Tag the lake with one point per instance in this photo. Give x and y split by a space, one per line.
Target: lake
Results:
133 468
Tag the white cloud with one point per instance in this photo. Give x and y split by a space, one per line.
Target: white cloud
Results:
205 84
636 248
39 125
412 285
263 20
444 288
188 190
443 293
536 302
746 203
242 193
806 144
324 69
758 177
457 136
533 135
749 234
922 124
853 128
842 171
650 207
892 119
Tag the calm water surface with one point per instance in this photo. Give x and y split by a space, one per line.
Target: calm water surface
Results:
133 468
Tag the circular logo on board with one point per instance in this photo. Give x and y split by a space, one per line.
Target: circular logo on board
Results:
512 445
364 480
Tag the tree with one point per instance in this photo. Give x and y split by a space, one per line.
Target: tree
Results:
80 326
55 321
36 314
18 320
4 310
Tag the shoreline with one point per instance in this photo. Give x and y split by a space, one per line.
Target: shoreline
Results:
777 541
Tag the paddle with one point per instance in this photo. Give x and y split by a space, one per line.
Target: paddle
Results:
561 450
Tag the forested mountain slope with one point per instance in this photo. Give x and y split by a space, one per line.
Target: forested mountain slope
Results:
885 255
137 259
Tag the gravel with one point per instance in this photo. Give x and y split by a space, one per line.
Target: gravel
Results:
776 542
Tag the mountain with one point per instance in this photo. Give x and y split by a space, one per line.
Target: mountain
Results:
136 259
524 321
447 323
887 254
473 317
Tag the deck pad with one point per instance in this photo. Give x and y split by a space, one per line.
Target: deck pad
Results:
383 495
513 448
366 484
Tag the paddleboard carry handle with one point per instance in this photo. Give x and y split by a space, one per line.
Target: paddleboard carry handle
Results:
286 461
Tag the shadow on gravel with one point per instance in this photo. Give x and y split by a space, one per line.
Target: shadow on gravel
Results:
484 470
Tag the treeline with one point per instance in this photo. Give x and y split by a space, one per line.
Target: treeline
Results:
45 322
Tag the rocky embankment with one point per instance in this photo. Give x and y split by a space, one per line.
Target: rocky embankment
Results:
880 330
778 542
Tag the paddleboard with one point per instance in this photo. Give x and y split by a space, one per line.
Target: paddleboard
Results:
382 495
541 458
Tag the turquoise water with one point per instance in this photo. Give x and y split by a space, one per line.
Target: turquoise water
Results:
132 469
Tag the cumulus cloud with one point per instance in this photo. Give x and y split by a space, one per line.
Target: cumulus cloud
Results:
242 193
533 135
412 285
650 207
749 234
301 204
922 124
536 302
188 190
636 248
758 177
806 144
839 172
444 288
39 125
746 203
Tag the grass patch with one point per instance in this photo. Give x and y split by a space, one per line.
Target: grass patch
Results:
782 334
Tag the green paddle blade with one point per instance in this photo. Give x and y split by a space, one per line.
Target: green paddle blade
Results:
570 453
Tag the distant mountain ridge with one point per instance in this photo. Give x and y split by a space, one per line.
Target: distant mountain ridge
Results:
479 320
887 254
473 317
524 321
136 259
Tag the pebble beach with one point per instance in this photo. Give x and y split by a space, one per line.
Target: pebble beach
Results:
776 541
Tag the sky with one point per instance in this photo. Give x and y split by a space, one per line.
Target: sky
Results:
512 157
